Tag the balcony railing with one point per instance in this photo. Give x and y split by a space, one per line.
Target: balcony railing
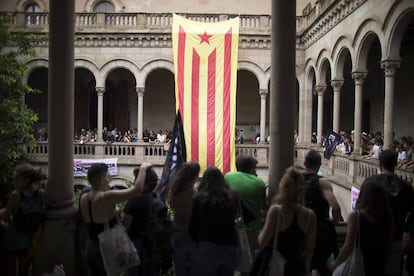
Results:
346 171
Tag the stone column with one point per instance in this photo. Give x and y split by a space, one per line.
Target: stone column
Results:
390 68
337 86
283 89
359 78
263 95
59 234
320 91
100 92
140 93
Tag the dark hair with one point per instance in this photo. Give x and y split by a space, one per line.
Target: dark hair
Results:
30 173
151 179
312 159
95 172
214 189
245 163
388 159
186 175
374 199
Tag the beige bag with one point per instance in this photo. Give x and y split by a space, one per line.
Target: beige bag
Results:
277 261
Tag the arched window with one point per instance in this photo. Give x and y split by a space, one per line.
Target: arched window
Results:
31 17
104 7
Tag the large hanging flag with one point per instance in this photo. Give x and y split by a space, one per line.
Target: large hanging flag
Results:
176 155
205 64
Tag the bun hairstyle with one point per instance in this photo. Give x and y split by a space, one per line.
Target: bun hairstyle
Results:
32 174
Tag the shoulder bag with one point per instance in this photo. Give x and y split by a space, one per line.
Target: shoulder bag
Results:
354 264
277 261
117 250
246 259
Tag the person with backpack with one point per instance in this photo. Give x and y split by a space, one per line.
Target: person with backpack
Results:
401 196
24 215
149 227
319 197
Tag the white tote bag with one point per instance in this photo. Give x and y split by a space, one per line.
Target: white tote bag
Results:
277 261
354 264
117 250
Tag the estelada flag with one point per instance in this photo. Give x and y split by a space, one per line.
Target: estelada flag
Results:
176 155
205 64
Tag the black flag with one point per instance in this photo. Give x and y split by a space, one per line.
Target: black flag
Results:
176 155
331 142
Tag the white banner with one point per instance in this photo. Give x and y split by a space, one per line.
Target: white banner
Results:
81 166
354 197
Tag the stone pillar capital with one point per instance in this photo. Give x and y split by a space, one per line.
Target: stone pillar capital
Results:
359 77
263 93
140 91
320 90
337 84
100 90
390 67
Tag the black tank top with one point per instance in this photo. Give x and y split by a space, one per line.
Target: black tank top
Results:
316 202
94 229
291 243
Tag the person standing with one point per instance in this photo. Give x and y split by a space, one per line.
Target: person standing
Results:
408 243
98 207
373 215
149 227
212 226
24 212
252 191
297 229
319 197
180 196
401 197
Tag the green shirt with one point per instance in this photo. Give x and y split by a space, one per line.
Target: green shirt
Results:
252 191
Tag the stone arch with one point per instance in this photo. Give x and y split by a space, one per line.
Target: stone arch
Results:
341 48
21 4
397 20
256 70
32 65
309 70
117 63
364 36
152 65
91 3
323 63
87 64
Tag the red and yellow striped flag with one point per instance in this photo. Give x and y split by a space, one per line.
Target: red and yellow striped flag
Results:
205 64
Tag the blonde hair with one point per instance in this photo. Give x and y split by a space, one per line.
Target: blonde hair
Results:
290 188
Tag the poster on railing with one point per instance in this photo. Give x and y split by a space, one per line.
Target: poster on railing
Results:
354 197
81 166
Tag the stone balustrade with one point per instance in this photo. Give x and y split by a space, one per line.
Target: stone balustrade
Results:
345 171
315 22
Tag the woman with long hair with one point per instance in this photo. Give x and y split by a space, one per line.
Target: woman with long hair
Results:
212 226
180 196
375 227
297 229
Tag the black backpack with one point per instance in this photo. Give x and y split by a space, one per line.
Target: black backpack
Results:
156 236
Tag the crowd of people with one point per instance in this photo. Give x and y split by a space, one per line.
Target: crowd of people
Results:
371 145
194 231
